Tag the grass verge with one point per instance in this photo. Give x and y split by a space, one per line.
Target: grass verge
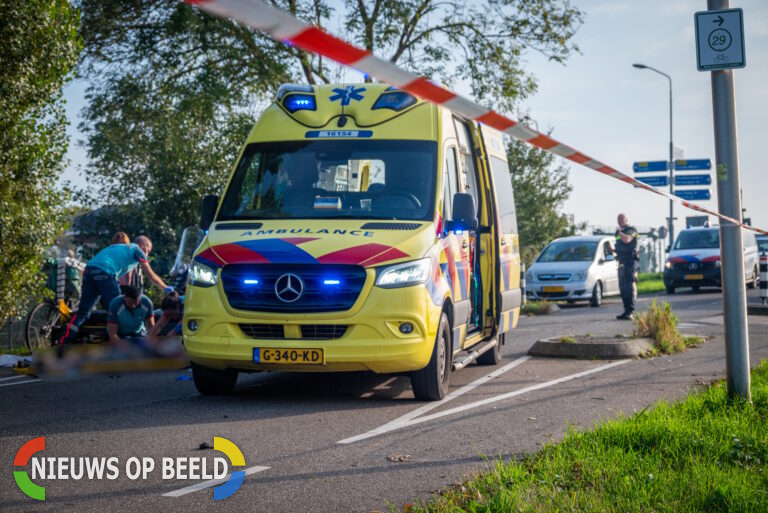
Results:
701 454
649 283
16 350
542 307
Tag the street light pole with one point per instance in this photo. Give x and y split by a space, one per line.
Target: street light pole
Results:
671 155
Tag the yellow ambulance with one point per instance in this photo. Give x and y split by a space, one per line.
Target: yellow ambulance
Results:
362 229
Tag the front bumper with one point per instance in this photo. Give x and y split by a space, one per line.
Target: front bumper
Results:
563 290
372 340
679 278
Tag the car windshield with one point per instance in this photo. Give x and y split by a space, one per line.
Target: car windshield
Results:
368 179
568 251
698 239
762 244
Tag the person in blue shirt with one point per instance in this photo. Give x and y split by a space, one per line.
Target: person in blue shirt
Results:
129 316
100 279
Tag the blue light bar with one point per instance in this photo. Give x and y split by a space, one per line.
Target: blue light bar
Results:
250 281
296 102
394 100
331 282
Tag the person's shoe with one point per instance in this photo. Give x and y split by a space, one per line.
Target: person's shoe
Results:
626 316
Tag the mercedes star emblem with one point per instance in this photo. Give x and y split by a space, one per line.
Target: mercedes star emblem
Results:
288 288
692 267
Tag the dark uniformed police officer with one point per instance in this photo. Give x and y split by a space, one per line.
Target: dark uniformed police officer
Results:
627 257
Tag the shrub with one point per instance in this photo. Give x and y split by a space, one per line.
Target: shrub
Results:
542 307
660 325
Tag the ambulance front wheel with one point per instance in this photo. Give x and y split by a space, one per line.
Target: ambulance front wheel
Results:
431 382
212 381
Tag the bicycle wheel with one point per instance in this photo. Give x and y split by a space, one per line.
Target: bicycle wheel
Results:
40 322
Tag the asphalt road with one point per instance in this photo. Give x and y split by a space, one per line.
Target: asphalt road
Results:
354 442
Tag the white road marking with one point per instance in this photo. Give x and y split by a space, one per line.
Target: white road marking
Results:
400 423
26 382
385 385
13 377
431 406
212 482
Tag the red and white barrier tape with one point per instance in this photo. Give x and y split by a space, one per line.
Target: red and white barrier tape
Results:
284 27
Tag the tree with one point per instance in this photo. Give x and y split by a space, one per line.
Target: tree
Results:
541 186
39 46
174 90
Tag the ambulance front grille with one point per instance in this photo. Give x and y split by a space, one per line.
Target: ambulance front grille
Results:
324 287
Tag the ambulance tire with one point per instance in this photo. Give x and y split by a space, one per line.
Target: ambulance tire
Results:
213 382
492 357
431 382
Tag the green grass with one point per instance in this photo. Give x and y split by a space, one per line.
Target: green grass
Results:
649 283
542 307
701 454
17 350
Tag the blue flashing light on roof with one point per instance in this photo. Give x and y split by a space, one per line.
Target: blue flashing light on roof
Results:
394 100
296 102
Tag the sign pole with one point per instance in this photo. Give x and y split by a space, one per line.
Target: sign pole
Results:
671 173
729 203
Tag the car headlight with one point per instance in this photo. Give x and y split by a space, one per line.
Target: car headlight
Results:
202 276
404 275
529 276
717 264
580 276
668 264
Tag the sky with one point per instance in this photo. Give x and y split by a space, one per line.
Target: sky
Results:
599 104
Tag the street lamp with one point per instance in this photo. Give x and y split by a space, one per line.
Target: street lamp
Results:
671 157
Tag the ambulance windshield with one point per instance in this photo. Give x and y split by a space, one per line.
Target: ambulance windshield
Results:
368 179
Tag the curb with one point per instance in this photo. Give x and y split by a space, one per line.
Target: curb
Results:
621 348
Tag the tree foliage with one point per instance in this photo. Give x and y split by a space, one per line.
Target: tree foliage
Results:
174 90
541 187
39 46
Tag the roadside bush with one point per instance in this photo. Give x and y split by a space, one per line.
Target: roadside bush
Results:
660 325
542 307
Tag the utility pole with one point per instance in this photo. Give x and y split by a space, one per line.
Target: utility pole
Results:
729 204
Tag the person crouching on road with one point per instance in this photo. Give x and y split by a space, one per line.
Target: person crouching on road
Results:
165 335
627 258
129 316
100 279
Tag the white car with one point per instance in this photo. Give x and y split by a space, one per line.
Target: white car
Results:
574 269
695 260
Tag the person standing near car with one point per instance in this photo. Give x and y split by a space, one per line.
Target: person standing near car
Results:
627 258
100 278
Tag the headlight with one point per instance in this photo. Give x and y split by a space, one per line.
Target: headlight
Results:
529 276
668 264
201 275
580 276
404 275
717 264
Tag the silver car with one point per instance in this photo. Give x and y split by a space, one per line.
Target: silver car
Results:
574 269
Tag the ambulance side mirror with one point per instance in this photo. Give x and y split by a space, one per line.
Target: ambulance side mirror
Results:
208 212
464 212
